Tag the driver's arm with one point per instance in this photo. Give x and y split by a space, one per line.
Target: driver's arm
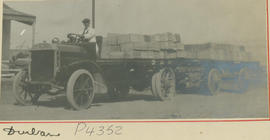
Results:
89 35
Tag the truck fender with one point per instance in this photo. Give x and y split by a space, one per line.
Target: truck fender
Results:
86 64
94 69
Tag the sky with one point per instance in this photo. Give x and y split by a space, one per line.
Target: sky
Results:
241 22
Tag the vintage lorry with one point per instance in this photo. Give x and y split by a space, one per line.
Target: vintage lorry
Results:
77 69
81 71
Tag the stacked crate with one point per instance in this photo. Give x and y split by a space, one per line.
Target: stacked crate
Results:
138 46
169 45
222 52
216 51
209 51
240 54
110 47
134 46
166 37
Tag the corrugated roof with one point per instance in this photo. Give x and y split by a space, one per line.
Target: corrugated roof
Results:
11 14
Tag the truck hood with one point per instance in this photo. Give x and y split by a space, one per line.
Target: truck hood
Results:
59 47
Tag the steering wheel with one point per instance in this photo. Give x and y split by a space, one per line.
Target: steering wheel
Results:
74 38
55 40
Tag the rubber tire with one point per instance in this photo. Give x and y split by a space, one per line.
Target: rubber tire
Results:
70 85
153 85
156 84
14 89
211 90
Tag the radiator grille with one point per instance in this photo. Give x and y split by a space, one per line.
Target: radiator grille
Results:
42 65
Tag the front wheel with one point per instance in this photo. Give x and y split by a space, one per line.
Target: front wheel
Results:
20 90
80 89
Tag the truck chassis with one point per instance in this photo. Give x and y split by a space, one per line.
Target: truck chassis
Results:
116 76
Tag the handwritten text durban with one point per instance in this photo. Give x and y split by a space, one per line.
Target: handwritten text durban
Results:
33 132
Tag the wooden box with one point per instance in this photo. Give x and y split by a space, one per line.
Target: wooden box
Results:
135 45
163 37
128 38
112 39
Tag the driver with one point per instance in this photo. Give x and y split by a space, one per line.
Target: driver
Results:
88 33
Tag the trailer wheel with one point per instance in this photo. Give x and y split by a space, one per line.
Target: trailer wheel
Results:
163 84
80 89
243 80
153 86
214 78
22 95
118 91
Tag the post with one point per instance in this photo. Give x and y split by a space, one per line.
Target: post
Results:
6 39
93 14
33 33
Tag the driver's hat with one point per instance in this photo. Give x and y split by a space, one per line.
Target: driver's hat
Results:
86 20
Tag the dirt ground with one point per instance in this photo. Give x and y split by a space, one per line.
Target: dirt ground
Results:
140 105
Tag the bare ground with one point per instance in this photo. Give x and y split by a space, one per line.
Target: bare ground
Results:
141 105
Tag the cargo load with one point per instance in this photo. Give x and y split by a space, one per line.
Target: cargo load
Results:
167 46
129 46
166 37
216 51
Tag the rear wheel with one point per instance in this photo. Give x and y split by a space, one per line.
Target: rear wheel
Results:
214 78
20 90
163 84
153 86
80 89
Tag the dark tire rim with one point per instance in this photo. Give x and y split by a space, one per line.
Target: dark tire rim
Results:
22 95
83 91
165 84
80 89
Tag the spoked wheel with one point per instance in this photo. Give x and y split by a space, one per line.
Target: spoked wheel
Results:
20 90
80 89
163 84
153 86
243 80
118 91
214 79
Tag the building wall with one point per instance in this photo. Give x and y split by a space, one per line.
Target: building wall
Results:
6 39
